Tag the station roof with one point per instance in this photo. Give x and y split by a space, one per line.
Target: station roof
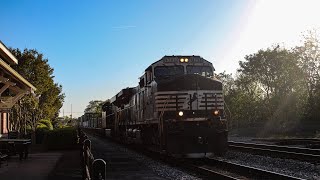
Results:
12 85
16 75
6 54
7 59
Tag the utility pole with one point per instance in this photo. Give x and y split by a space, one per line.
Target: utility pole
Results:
71 111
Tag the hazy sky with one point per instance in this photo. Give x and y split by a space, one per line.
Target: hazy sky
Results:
99 47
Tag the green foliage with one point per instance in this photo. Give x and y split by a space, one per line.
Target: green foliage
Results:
94 107
276 90
275 71
62 138
45 123
48 97
309 62
42 126
41 133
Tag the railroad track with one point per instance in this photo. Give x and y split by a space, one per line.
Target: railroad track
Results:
209 168
313 143
235 171
302 154
207 172
291 141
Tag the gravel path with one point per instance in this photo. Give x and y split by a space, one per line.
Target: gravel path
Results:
127 164
285 166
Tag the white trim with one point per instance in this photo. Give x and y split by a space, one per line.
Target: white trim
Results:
8 53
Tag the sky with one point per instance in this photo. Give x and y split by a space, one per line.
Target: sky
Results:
99 47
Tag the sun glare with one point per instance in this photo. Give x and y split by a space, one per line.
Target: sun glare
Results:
265 23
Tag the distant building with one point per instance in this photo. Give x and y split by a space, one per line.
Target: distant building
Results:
12 87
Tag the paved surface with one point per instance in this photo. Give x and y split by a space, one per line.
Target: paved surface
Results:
63 165
121 165
68 167
37 167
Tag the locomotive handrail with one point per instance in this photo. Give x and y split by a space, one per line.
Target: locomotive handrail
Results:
120 110
126 108
161 121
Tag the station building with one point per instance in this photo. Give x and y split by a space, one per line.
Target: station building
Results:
12 87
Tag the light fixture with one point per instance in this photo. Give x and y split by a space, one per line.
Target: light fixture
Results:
216 112
180 113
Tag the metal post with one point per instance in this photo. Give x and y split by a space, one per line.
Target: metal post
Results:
87 143
86 146
99 170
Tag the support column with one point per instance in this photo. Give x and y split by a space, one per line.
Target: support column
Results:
4 123
1 123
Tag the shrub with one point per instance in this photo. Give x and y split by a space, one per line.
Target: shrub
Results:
62 138
41 134
45 123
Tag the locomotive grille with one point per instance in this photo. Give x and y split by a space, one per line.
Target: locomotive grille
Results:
211 101
188 100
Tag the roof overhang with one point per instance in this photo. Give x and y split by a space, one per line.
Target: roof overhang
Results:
12 85
7 55
16 75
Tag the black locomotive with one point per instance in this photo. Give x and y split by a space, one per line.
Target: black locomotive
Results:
177 108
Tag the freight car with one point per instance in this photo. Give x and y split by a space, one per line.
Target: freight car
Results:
177 108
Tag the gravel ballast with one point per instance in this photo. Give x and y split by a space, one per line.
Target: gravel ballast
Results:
289 167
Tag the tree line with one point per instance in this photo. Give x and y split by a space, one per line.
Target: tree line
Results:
276 90
42 107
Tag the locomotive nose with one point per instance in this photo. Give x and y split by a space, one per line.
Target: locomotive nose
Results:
189 82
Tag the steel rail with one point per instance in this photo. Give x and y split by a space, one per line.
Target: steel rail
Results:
247 171
302 154
212 174
291 141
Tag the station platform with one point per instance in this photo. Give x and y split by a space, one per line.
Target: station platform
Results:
60 165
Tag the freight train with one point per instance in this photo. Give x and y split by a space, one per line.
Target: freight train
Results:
177 108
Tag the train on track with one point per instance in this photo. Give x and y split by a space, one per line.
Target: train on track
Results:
177 108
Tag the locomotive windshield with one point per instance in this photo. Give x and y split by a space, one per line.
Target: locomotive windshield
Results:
167 71
205 71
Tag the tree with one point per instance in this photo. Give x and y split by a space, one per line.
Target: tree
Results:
270 88
48 98
309 62
94 106
228 82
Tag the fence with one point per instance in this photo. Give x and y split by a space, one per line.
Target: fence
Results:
92 169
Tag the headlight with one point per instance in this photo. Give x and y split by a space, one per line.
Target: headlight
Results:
186 60
216 112
180 113
181 60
